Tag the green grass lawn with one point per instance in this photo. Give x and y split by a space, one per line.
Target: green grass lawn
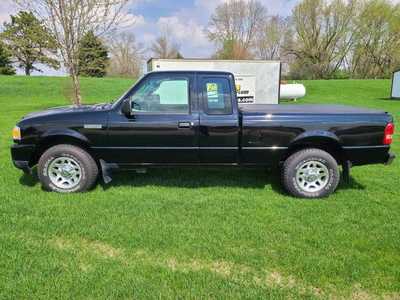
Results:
186 233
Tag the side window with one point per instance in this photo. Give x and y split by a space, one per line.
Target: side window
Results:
162 95
218 100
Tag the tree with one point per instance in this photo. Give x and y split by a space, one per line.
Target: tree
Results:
323 36
272 38
126 56
376 50
233 26
93 56
30 42
70 20
6 67
179 56
232 49
164 47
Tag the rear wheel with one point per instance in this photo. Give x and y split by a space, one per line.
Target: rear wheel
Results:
310 173
67 169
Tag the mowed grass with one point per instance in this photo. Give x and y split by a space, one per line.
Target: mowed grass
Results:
196 233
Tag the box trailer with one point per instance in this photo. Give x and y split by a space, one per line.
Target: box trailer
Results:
257 81
395 90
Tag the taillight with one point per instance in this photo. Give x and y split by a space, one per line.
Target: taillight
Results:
389 131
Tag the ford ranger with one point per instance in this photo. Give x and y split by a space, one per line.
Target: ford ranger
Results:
192 118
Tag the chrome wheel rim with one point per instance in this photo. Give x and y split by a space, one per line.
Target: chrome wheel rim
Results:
65 172
312 176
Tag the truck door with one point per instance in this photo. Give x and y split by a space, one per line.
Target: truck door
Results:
219 121
163 128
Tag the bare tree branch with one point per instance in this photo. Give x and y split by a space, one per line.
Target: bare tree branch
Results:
236 23
70 20
126 56
164 47
323 35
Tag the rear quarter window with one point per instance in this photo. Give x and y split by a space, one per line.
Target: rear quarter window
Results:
217 94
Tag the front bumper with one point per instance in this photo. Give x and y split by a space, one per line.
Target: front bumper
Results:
390 158
22 155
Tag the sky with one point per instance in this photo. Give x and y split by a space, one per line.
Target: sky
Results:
188 18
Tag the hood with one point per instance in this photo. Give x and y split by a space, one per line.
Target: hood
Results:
67 110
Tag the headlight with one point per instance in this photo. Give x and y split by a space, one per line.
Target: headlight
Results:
16 133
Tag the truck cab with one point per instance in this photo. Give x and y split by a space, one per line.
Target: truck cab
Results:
176 118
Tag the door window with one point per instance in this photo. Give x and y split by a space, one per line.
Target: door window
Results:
162 95
218 100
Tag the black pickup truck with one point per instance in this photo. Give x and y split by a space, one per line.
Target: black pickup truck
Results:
192 118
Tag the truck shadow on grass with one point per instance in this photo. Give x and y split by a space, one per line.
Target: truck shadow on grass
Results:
28 179
387 99
350 184
191 178
198 178
211 177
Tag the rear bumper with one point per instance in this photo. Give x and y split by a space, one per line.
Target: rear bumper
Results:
22 156
390 158
366 155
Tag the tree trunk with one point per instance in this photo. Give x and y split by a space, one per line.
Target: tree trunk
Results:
27 71
77 98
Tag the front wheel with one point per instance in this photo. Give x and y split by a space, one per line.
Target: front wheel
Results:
310 173
67 169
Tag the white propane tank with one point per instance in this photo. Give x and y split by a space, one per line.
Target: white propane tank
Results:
292 91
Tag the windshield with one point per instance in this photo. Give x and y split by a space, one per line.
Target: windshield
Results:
126 94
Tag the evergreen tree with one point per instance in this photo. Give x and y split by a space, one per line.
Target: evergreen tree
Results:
5 61
30 42
93 56
179 55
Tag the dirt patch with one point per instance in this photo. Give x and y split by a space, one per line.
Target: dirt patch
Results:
85 246
393 296
275 279
362 295
62 244
101 249
226 269
85 267
221 268
359 293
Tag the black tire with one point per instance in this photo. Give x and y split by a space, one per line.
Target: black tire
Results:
78 158
296 180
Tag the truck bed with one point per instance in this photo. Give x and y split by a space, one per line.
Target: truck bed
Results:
269 130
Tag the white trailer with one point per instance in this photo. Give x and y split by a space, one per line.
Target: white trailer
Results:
395 90
257 81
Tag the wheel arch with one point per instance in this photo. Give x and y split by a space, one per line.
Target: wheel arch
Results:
54 138
325 141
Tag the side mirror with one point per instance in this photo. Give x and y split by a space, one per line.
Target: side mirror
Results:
127 108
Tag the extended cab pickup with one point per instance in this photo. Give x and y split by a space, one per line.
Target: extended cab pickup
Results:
181 118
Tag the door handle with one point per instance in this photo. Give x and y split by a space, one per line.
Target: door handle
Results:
185 124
